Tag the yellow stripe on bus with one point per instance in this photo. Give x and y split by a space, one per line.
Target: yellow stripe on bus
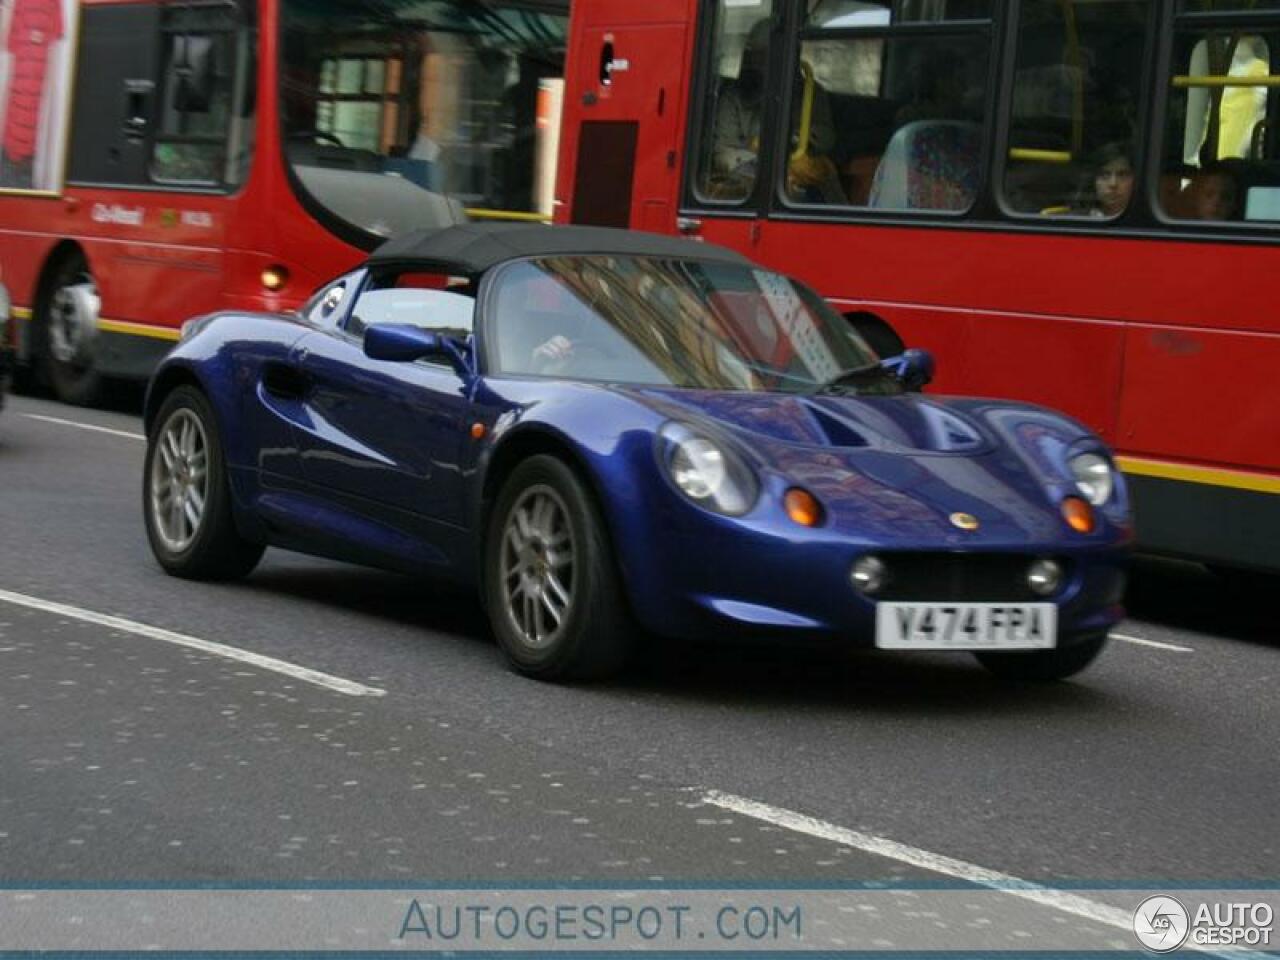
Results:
139 329
482 213
117 326
1238 479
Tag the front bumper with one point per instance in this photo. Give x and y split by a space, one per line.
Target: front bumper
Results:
699 576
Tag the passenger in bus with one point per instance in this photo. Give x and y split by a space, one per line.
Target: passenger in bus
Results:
1213 193
736 132
1110 185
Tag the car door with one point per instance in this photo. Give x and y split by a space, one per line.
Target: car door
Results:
276 404
383 438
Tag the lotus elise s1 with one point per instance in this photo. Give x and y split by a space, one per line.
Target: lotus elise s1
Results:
610 434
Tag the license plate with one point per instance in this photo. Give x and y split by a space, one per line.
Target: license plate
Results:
966 626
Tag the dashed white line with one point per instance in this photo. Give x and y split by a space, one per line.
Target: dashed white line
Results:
933 862
1152 643
305 674
85 426
925 860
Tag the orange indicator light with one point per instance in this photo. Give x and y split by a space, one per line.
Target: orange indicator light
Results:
802 507
478 430
1078 514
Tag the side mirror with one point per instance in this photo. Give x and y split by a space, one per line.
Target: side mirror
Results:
914 367
402 342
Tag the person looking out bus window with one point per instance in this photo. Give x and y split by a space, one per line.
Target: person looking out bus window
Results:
1213 193
1111 183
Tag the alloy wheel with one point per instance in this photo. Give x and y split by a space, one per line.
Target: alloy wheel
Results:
179 480
538 560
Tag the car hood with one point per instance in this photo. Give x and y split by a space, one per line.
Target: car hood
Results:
902 424
897 468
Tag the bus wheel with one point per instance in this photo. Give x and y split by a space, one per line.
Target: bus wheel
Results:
69 322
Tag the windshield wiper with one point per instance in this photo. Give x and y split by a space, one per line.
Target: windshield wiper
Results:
867 373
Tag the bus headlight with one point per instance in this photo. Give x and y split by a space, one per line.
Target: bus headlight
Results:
1094 476
707 473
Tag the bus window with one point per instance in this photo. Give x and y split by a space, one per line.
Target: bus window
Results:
386 106
1220 156
727 163
200 138
1074 112
885 119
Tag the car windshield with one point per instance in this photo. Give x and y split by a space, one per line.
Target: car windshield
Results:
672 322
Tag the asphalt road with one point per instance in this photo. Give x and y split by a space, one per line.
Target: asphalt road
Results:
125 757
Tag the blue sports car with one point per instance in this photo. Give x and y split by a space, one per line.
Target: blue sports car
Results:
609 433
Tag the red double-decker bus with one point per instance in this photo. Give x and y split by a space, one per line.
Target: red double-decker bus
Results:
1071 202
162 159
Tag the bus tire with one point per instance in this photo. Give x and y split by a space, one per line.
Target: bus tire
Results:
186 498
66 329
1044 666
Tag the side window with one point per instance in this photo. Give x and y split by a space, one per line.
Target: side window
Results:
204 128
324 309
1074 113
414 298
884 114
728 159
1220 159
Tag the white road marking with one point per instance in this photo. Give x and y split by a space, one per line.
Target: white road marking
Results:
305 674
1152 643
933 862
947 866
85 426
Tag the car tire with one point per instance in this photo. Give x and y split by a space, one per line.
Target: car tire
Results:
1044 666
551 586
67 351
186 499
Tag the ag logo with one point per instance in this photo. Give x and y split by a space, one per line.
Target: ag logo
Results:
1161 924
965 521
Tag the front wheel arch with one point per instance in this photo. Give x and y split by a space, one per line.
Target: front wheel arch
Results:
511 452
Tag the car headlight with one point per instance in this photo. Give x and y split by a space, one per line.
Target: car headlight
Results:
706 472
1094 476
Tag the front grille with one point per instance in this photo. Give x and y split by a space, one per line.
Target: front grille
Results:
958 576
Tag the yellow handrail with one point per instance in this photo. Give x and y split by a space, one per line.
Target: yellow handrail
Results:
806 113
1077 86
1187 82
1040 156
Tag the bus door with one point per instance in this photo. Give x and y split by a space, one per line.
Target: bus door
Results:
624 156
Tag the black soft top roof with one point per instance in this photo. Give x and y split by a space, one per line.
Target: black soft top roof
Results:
472 248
